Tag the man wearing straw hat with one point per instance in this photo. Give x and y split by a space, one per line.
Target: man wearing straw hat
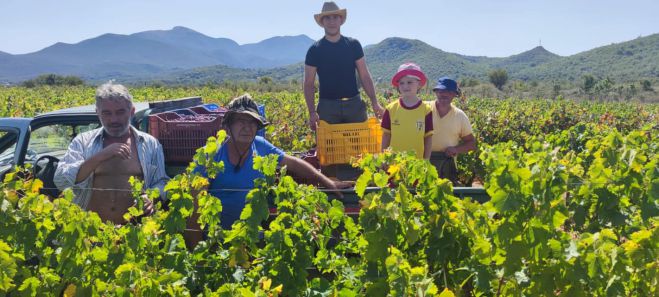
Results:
335 58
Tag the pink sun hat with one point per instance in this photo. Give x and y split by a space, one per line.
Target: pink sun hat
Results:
410 69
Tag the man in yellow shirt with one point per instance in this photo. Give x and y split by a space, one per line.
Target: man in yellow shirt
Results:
453 133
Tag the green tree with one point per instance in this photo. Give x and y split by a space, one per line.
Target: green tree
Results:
468 82
588 83
556 90
632 91
53 80
265 80
647 86
603 86
498 77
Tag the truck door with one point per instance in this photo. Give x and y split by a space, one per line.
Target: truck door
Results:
49 141
13 136
8 138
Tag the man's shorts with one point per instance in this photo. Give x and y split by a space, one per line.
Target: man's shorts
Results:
340 111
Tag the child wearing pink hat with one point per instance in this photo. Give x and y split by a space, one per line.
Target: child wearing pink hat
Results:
407 122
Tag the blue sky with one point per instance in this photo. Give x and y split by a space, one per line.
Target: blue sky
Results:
494 28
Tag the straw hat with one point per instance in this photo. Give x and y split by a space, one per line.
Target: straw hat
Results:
330 8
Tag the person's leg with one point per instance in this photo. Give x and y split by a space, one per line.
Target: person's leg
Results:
329 111
353 110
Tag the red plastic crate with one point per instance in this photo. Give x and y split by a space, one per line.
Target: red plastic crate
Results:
180 138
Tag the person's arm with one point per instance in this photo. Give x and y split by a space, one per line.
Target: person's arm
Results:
369 88
69 165
386 140
468 143
302 168
467 140
386 130
120 150
68 169
310 94
427 137
155 177
159 176
427 146
73 171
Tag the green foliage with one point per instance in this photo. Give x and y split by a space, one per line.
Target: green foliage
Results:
494 121
571 212
603 86
588 83
225 75
566 215
647 85
574 212
498 77
628 61
265 80
53 80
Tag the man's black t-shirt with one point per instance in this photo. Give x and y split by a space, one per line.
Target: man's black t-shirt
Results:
335 65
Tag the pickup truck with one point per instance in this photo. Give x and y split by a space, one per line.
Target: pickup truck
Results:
44 139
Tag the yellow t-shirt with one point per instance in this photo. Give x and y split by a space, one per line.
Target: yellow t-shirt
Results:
449 129
408 126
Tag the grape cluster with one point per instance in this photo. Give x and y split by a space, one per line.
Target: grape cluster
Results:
195 118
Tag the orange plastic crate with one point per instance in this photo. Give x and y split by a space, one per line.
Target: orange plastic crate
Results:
338 143
180 139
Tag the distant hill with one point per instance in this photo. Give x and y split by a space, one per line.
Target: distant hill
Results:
631 60
182 55
528 60
281 50
271 52
625 61
149 53
221 73
384 58
188 38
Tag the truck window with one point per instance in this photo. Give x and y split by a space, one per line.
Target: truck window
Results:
53 140
7 149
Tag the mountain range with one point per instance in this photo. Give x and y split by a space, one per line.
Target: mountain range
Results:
182 56
150 53
626 61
